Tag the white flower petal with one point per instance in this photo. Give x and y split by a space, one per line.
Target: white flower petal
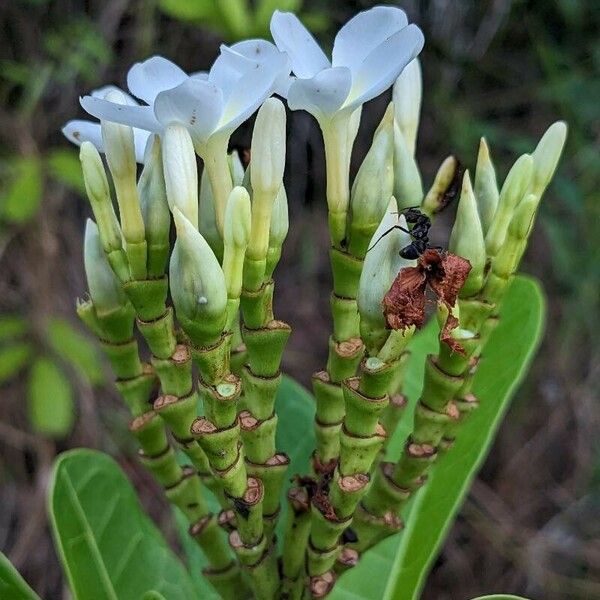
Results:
293 38
382 67
141 117
78 131
106 89
364 32
195 103
250 91
147 79
322 95
245 55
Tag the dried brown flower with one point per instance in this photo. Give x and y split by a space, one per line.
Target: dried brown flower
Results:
444 274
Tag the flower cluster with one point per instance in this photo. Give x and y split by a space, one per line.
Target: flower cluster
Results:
230 226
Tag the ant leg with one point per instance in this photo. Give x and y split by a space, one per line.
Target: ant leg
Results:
384 234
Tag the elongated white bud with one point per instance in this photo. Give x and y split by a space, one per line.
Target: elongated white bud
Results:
197 281
98 192
181 172
104 287
120 154
268 148
407 94
546 156
374 182
486 186
434 200
467 240
515 187
408 186
236 235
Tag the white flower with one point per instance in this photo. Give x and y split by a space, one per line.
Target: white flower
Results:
79 131
369 53
205 104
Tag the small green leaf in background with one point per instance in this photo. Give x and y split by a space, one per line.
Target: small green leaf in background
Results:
21 200
76 349
12 359
12 585
12 326
64 166
397 568
50 399
109 548
190 10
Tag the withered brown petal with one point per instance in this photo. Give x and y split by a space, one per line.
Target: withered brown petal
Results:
404 304
446 337
455 272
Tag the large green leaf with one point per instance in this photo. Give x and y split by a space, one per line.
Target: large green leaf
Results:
109 548
500 597
49 399
12 585
396 569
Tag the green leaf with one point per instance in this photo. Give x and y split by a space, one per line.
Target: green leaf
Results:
13 359
24 191
50 399
12 585
500 597
109 548
12 326
76 349
64 167
397 567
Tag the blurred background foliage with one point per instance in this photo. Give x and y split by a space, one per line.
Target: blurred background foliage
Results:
500 68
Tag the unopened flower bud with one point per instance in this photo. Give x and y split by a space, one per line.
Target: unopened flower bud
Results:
197 284
467 240
207 220
120 154
104 287
546 156
486 186
278 231
268 148
98 192
181 171
236 234
266 175
507 260
353 126
236 167
155 210
382 263
515 186
406 95
119 143
373 186
435 198
408 186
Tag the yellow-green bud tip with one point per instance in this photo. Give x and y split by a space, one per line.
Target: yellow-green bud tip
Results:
238 218
546 156
467 240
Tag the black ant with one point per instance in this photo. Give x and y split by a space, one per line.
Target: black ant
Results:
419 233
